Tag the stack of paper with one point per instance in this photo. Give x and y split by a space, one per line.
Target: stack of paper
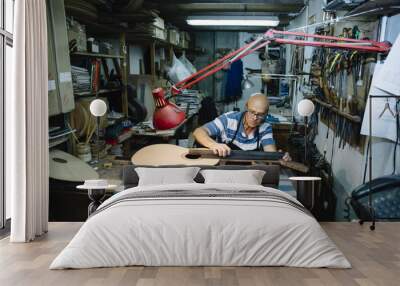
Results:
80 79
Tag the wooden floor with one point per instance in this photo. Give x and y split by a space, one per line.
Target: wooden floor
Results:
375 257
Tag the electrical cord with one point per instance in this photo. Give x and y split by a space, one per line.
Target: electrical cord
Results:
397 135
337 20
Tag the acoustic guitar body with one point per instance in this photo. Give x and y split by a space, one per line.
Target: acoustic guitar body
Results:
65 167
168 154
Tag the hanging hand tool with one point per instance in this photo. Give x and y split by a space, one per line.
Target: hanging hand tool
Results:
356 32
344 87
387 107
356 66
347 33
342 131
360 73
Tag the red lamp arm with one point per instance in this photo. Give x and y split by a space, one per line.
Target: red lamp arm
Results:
213 68
210 69
268 37
342 43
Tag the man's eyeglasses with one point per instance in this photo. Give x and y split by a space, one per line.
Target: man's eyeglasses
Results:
258 116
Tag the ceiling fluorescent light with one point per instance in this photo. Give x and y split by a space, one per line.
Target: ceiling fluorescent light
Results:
232 21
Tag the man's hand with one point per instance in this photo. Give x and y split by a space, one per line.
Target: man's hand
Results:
221 150
286 157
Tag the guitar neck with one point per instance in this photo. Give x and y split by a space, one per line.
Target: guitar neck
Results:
252 156
240 154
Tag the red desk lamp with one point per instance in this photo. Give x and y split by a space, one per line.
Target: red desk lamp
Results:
167 115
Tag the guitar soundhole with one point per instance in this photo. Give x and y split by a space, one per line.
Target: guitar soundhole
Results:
191 156
59 160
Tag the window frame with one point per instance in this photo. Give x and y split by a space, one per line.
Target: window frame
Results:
6 39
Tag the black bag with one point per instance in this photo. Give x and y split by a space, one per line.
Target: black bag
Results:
385 193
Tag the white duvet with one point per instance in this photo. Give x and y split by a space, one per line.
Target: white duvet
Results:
200 231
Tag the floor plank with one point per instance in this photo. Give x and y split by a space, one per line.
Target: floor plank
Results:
375 257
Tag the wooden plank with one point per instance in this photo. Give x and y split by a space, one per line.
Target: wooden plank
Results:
96 55
101 91
54 100
353 118
60 49
153 60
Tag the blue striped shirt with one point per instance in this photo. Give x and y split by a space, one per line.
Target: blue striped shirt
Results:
223 129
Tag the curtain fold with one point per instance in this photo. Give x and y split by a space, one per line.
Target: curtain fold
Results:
27 153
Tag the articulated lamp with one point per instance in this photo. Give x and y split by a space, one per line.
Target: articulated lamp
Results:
269 37
305 108
98 108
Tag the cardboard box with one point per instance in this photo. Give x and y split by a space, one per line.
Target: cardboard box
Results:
185 44
106 48
173 36
184 36
93 45
187 36
184 39
159 33
159 23
77 34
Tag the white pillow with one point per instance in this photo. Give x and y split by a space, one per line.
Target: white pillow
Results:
248 177
166 176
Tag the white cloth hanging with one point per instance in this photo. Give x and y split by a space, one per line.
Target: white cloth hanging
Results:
383 124
27 154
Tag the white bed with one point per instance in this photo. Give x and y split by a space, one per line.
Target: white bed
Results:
264 229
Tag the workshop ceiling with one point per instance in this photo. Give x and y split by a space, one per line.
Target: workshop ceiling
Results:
176 11
111 15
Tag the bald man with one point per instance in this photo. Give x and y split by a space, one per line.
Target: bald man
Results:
240 130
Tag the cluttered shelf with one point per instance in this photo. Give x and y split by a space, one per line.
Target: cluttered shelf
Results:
96 55
88 52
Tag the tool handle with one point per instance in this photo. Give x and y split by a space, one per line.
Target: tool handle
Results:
294 166
239 154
